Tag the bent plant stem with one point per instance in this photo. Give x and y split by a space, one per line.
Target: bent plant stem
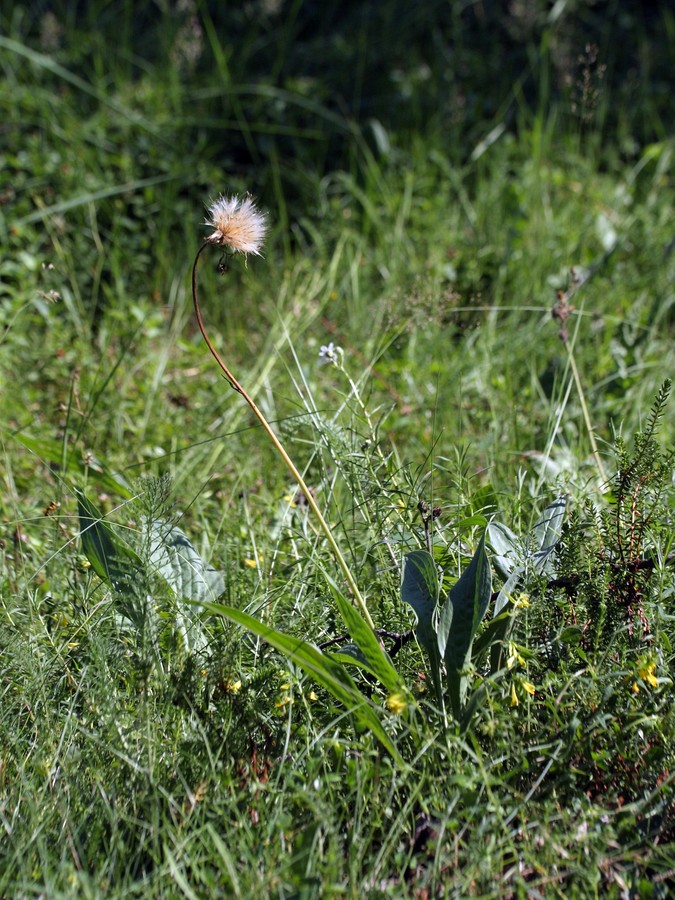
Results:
290 465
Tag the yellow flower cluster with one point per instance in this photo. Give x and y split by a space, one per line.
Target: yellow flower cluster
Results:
527 686
646 675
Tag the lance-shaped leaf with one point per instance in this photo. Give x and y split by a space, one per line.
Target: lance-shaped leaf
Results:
545 537
321 667
505 546
371 655
469 599
112 558
177 562
546 534
420 588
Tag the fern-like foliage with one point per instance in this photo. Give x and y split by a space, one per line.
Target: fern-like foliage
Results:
608 555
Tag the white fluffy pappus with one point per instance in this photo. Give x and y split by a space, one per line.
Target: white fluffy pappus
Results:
238 224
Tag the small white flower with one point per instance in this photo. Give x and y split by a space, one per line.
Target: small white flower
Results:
238 224
330 354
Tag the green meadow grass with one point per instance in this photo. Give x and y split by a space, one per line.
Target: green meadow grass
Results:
148 748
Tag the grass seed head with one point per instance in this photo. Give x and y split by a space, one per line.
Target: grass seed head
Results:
237 224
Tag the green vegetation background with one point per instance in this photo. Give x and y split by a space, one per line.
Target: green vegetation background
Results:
434 174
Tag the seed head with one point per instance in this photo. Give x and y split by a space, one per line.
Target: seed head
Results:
237 223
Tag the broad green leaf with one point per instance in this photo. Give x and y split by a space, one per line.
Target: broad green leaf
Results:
546 534
420 588
173 556
505 547
469 597
177 562
111 558
571 635
326 671
470 521
375 657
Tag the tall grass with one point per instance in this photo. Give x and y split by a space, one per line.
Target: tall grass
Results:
426 219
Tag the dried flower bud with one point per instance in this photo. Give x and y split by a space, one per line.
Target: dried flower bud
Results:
238 224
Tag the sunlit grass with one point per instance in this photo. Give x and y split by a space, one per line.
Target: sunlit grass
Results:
137 767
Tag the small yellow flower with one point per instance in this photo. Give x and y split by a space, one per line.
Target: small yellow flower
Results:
312 696
646 673
396 703
232 687
522 601
284 696
514 696
528 686
514 657
635 688
237 224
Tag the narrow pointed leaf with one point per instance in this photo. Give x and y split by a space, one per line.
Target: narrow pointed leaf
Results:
491 636
469 597
508 588
111 558
420 588
376 658
176 560
445 618
546 534
503 613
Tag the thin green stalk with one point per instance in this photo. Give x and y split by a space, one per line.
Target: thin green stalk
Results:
584 411
290 465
